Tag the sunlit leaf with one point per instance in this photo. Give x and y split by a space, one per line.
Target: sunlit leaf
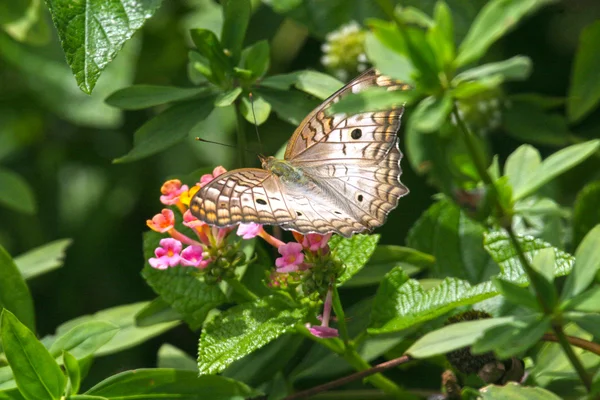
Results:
93 32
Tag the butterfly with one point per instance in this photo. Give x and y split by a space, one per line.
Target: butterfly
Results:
340 173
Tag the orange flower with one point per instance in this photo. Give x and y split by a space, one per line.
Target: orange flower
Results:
162 222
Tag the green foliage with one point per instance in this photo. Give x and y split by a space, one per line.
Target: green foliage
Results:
490 223
14 293
38 376
243 329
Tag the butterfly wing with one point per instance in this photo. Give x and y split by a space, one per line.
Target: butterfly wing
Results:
242 195
353 159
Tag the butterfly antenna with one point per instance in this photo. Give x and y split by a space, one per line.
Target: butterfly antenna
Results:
221 144
255 124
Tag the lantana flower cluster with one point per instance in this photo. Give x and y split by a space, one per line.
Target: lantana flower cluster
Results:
305 269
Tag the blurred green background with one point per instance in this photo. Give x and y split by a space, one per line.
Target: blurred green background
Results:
62 141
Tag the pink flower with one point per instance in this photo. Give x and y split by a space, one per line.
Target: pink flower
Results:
206 178
325 331
190 221
167 254
192 256
171 191
291 257
248 231
315 241
162 222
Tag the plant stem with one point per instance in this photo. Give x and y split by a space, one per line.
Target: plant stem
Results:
575 341
527 268
371 372
341 317
241 136
241 289
575 361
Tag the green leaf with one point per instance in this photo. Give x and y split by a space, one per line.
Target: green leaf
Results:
129 334
209 47
588 301
516 294
170 384
530 123
180 287
389 60
429 115
237 16
262 109
137 97
452 337
73 372
352 252
512 338
38 376
385 258
261 365
513 391
83 340
42 259
172 357
257 58
387 301
521 165
242 329
168 128
587 264
556 164
495 19
512 69
499 246
440 36
14 293
584 92
454 239
316 83
544 262
156 312
227 98
372 99
587 321
15 192
586 213
93 32
291 106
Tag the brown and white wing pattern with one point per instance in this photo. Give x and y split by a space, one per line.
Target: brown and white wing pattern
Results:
242 195
354 159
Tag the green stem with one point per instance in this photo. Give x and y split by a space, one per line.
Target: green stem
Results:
341 317
241 289
575 361
527 268
241 136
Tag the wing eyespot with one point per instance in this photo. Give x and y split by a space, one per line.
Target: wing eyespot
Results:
262 202
356 134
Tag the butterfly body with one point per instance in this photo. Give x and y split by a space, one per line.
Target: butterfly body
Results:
339 174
